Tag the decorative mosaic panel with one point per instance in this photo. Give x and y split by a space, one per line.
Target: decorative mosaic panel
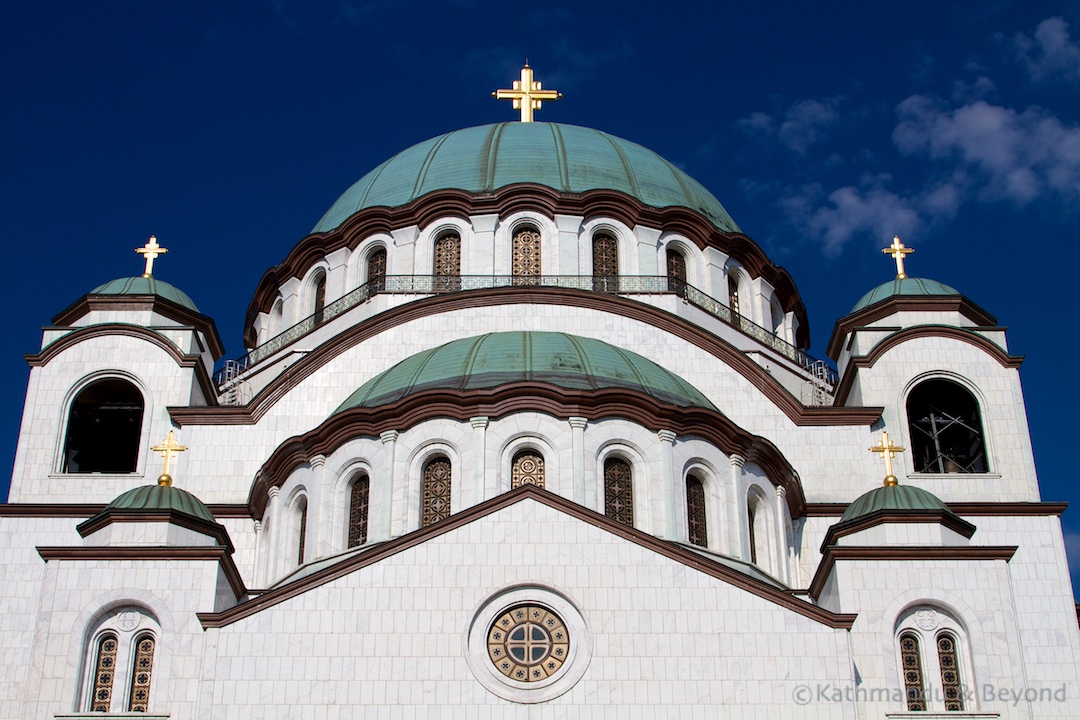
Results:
525 263
104 674
528 469
528 643
950 672
140 675
618 491
435 505
912 669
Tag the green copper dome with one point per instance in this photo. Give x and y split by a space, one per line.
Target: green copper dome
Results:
904 498
161 497
488 361
566 158
906 286
145 286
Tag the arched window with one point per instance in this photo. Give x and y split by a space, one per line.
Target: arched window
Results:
676 272
911 664
320 299
605 263
618 491
950 672
525 256
931 660
301 530
527 469
104 673
376 271
448 262
695 511
139 699
358 511
733 294
277 318
946 429
777 313
751 518
104 428
435 497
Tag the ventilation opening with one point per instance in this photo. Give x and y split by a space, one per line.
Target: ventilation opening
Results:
103 430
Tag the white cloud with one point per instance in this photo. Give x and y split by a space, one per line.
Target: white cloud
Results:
850 212
802 124
1050 53
1010 155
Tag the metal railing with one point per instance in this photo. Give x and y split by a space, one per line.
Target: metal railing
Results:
432 285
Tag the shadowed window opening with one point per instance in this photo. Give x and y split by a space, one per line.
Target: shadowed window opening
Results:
435 502
358 511
676 272
605 253
104 428
618 491
376 271
320 299
448 263
695 511
946 429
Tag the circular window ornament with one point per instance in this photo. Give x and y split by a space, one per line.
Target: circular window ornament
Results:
528 644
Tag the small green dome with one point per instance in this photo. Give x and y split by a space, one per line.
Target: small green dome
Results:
488 361
161 497
145 286
906 498
566 158
905 286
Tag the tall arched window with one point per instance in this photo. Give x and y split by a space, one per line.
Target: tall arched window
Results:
676 272
376 271
104 673
358 511
527 469
139 698
931 647
751 521
448 262
605 263
946 429
618 491
277 319
911 664
301 530
525 256
104 428
777 313
733 294
950 672
435 496
695 511
320 299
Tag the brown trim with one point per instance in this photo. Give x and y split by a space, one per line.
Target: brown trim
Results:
219 554
230 510
193 362
380 552
526 197
879 517
303 368
85 510
110 515
985 509
905 303
912 333
155 303
931 554
511 398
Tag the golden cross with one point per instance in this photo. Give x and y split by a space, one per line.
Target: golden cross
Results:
887 451
167 449
898 251
150 251
526 94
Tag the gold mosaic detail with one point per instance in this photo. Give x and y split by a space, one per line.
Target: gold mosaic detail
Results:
140 677
526 256
528 469
912 669
104 673
528 643
950 673
436 496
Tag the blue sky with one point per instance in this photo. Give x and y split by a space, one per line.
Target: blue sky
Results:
227 129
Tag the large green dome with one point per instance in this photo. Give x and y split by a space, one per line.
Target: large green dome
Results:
566 158
145 286
488 361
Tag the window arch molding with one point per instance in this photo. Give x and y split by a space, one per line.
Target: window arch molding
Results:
358 260
344 480
296 546
509 226
622 236
640 485
82 384
418 460
706 474
760 527
430 236
964 383
317 274
691 255
734 271
929 623
275 319
525 442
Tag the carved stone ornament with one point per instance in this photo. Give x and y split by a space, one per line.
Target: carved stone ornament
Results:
128 620
926 619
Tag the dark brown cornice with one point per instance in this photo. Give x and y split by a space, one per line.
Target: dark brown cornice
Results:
85 510
904 303
521 397
189 522
215 554
985 509
661 319
380 552
155 303
192 362
526 197
920 331
833 553
944 518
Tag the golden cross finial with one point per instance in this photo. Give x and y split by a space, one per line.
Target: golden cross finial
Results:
887 451
150 251
898 251
167 449
527 95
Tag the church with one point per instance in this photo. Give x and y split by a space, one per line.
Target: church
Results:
527 428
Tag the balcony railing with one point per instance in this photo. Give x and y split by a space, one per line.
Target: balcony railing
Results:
431 285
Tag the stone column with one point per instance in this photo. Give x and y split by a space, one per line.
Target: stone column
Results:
577 447
738 536
567 246
391 494
277 535
318 510
666 526
782 569
478 491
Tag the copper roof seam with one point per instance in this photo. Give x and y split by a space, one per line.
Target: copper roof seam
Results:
630 176
424 166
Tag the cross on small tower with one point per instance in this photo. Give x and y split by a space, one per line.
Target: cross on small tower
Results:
167 449
898 251
887 451
151 251
527 95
